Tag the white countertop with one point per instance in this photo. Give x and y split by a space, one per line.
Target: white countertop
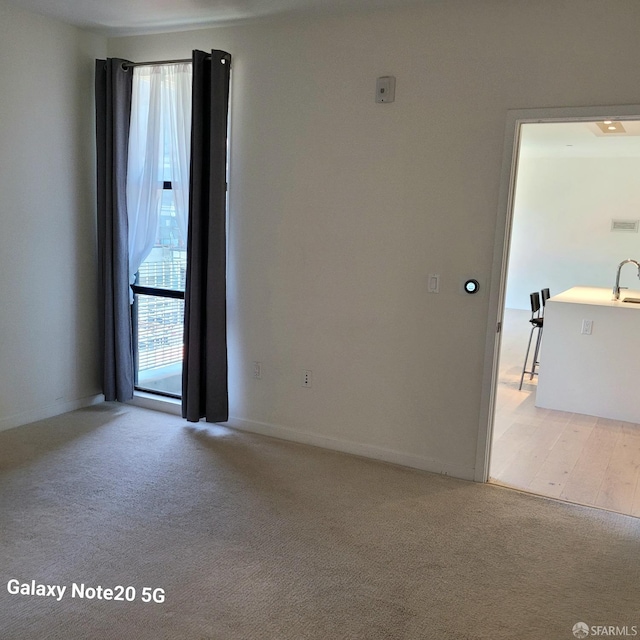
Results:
602 296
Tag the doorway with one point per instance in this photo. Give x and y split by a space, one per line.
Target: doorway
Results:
565 179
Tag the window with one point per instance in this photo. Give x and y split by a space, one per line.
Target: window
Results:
157 202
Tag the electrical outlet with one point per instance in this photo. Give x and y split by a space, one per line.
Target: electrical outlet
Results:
433 283
307 378
257 370
587 327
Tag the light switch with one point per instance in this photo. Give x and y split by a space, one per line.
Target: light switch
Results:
434 283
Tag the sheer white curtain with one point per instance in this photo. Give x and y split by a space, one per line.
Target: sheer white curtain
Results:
159 151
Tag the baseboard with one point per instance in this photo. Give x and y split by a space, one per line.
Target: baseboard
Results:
354 448
253 426
169 405
49 411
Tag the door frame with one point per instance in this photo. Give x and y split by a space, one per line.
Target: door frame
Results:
502 245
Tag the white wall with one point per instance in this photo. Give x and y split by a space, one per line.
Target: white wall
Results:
562 234
340 207
48 337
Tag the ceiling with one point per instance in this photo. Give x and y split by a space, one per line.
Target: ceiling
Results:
130 17
578 140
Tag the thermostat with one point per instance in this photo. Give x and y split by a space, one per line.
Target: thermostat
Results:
386 89
471 286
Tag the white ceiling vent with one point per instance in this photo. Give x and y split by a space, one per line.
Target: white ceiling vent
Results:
625 225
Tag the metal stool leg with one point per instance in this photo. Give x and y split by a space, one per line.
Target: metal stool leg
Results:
536 353
526 357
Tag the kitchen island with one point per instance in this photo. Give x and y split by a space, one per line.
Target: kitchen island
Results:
590 355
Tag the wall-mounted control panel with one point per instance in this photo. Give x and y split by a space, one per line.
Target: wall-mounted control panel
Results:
471 286
386 89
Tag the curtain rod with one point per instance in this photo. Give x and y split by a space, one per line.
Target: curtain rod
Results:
128 65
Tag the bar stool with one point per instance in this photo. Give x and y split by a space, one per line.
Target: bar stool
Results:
537 321
545 295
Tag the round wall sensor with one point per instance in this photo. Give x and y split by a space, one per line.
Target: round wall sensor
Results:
472 286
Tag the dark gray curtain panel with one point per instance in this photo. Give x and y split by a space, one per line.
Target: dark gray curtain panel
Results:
113 108
204 374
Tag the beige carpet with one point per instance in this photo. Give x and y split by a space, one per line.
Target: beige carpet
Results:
255 538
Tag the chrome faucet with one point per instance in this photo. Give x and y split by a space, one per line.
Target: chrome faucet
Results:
616 288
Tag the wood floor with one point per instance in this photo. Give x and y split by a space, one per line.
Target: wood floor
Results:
578 458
